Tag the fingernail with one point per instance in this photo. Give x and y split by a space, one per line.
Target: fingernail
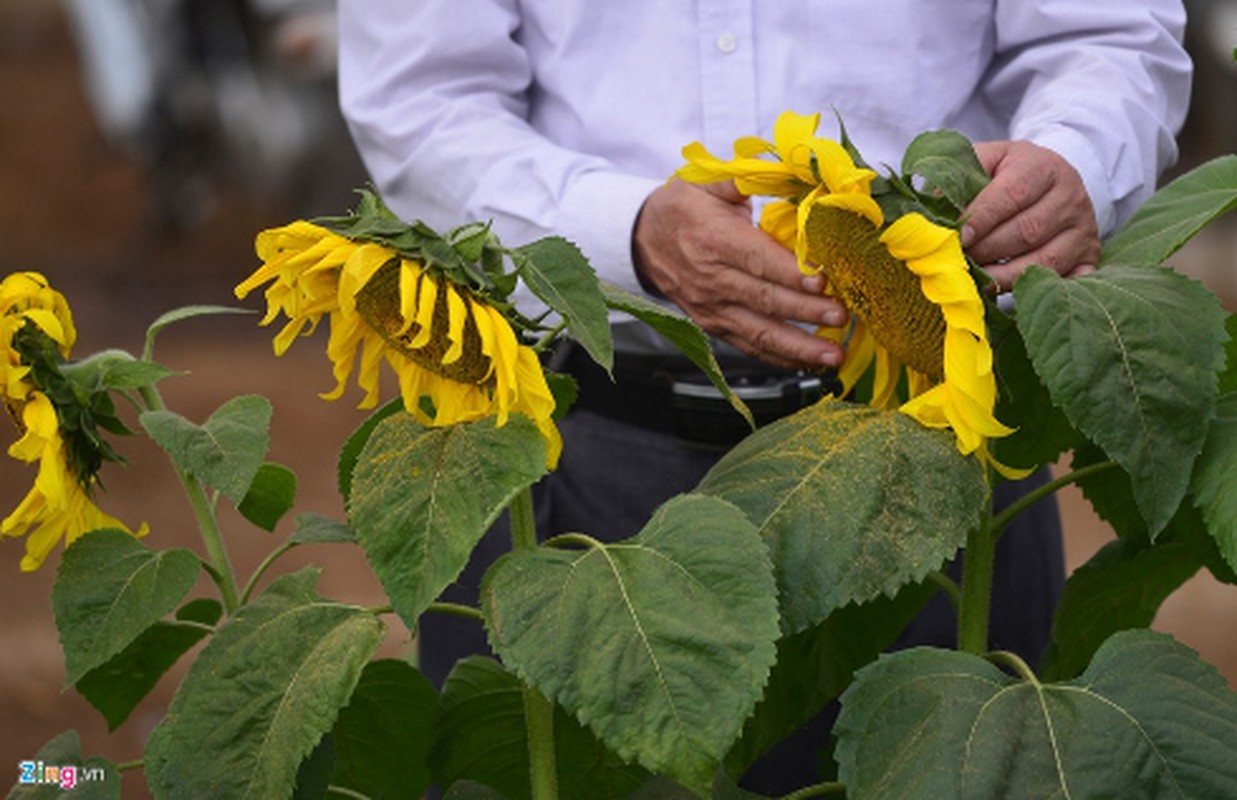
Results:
834 318
813 284
831 358
968 235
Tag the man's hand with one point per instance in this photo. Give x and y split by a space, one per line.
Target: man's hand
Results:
698 247
1035 211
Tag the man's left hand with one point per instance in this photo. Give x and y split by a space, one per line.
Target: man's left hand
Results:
1035 211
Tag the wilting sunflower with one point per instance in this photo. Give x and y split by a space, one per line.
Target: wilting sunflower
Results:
446 344
915 311
36 329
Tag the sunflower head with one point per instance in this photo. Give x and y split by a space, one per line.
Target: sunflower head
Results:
432 308
892 255
58 411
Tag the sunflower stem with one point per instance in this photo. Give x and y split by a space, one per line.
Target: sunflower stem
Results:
975 604
538 710
208 524
1007 515
550 336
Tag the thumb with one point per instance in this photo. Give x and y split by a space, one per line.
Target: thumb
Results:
725 190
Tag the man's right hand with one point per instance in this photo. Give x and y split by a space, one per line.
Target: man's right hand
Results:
696 244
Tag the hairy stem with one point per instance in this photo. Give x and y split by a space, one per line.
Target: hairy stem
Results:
1007 515
208 524
975 604
538 710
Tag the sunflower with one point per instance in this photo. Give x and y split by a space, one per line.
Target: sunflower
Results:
35 319
446 344
915 310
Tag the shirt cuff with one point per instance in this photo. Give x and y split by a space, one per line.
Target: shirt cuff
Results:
599 212
1074 148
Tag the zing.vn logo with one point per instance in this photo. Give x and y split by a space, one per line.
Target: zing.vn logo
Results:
65 777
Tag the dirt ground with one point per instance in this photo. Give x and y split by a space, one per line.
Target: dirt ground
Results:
73 209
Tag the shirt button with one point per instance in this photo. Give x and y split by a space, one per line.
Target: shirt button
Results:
727 43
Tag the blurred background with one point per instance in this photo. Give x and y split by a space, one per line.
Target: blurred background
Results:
143 144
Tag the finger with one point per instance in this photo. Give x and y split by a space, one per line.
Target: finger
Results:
778 343
1072 252
1008 194
1022 233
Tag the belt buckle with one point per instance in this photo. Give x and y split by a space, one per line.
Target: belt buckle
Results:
703 417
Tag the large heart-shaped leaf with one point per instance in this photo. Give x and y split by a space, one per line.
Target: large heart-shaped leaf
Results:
1131 355
109 590
661 643
423 497
852 502
226 451
261 695
1147 719
381 742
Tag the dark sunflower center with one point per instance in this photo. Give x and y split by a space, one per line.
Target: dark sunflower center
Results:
879 288
378 303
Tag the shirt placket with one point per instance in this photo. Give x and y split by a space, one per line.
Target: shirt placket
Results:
727 73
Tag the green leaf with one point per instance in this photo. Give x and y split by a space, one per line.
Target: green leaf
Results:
1162 225
226 451
1147 719
261 695
317 529
815 666
352 448
271 495
947 162
1228 378
1120 587
556 271
660 643
423 497
1041 431
683 334
109 589
382 738
481 737
852 502
1215 479
116 687
127 374
181 314
1130 354
91 778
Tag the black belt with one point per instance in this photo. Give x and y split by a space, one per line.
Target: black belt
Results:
671 395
